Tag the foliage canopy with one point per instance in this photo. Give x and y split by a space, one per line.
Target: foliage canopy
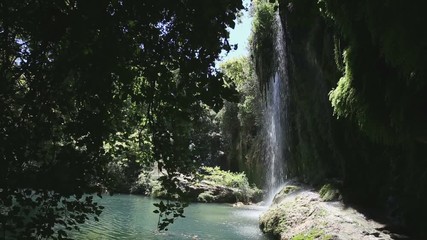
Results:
74 73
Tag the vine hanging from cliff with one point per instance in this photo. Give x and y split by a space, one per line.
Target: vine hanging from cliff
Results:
262 40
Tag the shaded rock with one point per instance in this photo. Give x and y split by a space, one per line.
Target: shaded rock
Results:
206 191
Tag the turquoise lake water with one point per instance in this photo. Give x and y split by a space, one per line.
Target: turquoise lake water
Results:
132 217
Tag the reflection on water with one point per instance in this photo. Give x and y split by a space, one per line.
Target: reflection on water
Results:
132 217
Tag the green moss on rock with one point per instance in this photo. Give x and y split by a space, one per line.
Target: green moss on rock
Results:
329 193
312 234
288 189
274 221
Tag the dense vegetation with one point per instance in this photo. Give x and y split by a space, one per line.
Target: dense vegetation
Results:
88 89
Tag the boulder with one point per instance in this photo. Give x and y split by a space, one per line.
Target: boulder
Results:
300 213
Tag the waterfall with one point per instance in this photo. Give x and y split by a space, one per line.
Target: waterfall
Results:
275 137
275 117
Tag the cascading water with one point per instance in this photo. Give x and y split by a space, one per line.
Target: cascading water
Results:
274 128
275 120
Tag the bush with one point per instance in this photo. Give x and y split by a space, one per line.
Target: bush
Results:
225 178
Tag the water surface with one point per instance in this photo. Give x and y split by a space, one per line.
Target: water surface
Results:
132 217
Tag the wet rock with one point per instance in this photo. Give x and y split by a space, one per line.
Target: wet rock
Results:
286 190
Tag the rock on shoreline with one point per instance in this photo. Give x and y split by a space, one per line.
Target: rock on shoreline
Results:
300 213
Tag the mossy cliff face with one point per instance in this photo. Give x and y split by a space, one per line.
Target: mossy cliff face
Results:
241 123
357 102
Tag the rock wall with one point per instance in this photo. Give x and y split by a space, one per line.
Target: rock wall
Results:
386 178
